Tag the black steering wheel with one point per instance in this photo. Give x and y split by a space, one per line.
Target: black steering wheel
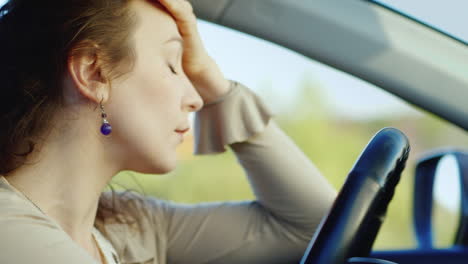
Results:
351 226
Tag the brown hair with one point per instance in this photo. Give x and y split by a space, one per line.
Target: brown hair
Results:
36 40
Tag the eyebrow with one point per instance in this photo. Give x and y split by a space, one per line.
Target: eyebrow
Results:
175 38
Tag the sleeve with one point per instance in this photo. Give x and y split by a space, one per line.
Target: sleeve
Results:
292 196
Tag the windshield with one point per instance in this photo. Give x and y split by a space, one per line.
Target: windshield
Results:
448 16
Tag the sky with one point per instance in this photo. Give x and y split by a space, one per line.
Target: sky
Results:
447 188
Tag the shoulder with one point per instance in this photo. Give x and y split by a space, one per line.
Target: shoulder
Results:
135 224
15 208
129 205
27 236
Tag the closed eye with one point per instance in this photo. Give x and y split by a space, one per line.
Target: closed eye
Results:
172 69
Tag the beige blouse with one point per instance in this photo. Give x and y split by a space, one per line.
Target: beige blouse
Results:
105 247
291 198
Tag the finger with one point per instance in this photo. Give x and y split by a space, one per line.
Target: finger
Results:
181 10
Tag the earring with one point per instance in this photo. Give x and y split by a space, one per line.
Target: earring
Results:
106 128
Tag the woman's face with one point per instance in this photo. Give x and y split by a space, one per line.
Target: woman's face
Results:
153 101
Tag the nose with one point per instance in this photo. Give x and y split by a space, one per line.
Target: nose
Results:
192 99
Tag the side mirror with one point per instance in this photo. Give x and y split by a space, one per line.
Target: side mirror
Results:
357 260
441 200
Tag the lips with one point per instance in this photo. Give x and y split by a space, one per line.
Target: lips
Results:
182 131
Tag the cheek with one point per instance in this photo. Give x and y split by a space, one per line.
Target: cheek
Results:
145 111
148 95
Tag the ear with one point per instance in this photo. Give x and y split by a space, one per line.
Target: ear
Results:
86 72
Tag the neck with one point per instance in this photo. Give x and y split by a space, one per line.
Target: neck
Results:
66 176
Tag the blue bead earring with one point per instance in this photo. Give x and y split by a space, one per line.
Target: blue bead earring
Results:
106 128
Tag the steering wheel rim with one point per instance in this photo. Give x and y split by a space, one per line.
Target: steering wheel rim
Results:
351 226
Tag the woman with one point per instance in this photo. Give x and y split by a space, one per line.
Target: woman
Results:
93 87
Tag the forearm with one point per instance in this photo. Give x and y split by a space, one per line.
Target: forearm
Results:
284 180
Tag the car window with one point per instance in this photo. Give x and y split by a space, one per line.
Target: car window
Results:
329 114
448 16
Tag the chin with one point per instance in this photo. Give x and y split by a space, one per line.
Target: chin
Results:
150 158
157 167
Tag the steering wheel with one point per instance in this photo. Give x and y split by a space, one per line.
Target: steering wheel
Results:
351 226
